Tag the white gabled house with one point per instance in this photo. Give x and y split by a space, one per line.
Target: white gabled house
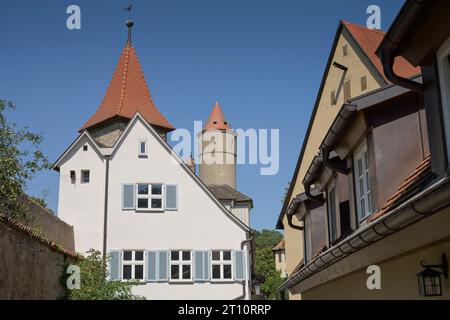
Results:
129 195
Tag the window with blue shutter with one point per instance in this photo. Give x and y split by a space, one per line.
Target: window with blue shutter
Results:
128 193
201 265
163 259
171 197
157 266
114 265
239 266
151 266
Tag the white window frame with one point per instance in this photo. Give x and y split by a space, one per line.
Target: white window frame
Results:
221 263
150 196
336 225
133 262
443 61
362 154
180 263
140 154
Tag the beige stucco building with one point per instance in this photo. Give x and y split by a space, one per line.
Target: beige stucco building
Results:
374 208
352 69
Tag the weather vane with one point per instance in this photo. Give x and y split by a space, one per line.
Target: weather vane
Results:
130 22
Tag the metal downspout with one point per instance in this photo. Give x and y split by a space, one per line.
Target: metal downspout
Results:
105 216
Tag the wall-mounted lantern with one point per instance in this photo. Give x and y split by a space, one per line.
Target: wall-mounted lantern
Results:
430 282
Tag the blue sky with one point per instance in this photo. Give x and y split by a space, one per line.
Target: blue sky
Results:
261 59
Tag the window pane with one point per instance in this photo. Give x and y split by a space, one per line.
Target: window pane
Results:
139 272
186 272
360 171
227 255
174 255
127 272
156 203
216 255
216 271
85 176
142 188
127 255
139 255
156 189
143 147
186 255
175 272
143 203
227 271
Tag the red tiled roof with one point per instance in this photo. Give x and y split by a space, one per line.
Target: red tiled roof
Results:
33 233
217 120
408 185
128 94
369 40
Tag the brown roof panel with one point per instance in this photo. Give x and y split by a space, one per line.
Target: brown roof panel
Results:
279 246
128 94
409 186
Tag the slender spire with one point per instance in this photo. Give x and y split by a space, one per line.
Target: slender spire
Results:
130 22
130 25
217 120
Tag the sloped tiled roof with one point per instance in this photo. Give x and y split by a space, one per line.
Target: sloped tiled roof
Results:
217 120
225 192
128 94
279 246
369 40
411 185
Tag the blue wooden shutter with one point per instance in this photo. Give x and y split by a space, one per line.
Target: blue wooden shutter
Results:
201 265
239 266
206 264
163 265
171 197
151 266
114 265
128 193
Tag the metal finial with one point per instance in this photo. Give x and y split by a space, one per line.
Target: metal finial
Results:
130 23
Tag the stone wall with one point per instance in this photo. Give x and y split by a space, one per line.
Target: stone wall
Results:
31 266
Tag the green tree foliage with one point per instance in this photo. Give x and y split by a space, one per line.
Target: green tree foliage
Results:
95 284
17 164
265 263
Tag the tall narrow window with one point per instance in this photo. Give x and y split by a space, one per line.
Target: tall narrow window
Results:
142 151
345 50
180 265
221 265
85 176
332 213
362 183
333 97
363 83
307 238
347 91
133 265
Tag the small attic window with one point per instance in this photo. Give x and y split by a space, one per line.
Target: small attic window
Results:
345 50
85 147
214 122
73 177
225 123
363 83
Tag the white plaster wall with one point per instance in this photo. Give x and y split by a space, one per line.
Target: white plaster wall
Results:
199 224
81 205
242 212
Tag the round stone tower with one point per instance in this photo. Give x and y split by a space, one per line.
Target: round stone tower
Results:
217 156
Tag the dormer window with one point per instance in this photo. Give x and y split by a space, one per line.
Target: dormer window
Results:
142 149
